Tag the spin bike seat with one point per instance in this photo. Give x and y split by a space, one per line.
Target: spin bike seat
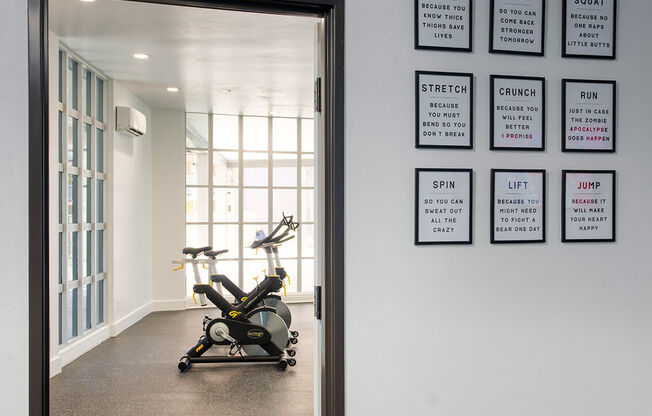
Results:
195 251
214 253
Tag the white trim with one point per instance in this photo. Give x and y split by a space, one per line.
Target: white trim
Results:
55 365
169 305
125 322
76 349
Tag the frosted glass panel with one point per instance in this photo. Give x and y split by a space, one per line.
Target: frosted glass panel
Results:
255 133
284 134
225 132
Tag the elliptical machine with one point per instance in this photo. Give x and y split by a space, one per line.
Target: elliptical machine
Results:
270 244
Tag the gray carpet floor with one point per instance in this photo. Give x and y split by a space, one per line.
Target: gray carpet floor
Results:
136 373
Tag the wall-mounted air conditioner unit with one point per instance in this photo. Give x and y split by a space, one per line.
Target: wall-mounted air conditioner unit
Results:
131 121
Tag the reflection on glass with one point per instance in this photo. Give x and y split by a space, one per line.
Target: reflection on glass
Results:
225 237
86 91
87 198
197 130
284 201
307 205
60 128
225 132
285 169
307 170
197 167
255 133
254 205
255 169
87 296
100 200
73 141
307 135
73 199
100 251
86 147
284 134
196 204
100 150
73 86
100 301
99 110
225 168
225 205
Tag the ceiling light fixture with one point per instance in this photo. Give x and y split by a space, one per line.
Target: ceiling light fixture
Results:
141 56
87 1
173 89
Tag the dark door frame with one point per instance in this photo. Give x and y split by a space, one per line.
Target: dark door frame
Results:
332 394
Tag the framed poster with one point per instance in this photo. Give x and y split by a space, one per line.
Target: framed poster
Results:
588 115
444 110
518 113
588 206
589 29
443 206
443 24
517 26
518 206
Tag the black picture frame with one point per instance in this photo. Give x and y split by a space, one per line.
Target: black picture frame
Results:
565 54
542 172
417 173
493 49
417 45
564 239
418 145
614 114
492 114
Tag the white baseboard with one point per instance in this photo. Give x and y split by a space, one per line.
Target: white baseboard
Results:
55 365
125 322
168 305
71 352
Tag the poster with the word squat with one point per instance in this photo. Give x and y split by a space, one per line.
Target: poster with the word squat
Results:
589 29
517 26
518 207
588 116
443 24
444 206
444 110
518 113
588 205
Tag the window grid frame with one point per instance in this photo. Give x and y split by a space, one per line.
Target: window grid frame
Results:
82 224
270 223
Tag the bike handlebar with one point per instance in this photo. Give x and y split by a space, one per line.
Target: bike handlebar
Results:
288 222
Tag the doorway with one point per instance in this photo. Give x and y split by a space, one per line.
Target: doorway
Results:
329 332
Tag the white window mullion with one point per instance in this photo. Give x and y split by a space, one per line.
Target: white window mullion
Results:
210 181
270 179
298 277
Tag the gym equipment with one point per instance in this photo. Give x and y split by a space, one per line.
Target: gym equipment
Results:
193 252
270 244
247 327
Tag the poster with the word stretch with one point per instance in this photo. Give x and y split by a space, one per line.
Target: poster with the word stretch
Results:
444 109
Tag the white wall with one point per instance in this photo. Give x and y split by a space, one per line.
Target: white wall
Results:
13 207
548 329
168 199
130 218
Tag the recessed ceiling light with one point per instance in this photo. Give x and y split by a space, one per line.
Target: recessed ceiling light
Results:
173 89
87 1
141 55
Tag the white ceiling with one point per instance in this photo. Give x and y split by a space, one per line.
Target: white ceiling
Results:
222 61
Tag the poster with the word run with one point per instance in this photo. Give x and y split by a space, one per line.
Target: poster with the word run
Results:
589 116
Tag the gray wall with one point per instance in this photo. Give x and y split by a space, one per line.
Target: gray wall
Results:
548 329
13 207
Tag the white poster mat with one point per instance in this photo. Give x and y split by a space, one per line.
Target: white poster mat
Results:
590 28
589 210
518 25
518 111
443 23
444 206
518 206
445 108
590 114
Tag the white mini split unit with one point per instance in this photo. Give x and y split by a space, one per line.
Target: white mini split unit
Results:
131 121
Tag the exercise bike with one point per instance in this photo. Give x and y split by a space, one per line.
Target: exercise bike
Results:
270 244
247 327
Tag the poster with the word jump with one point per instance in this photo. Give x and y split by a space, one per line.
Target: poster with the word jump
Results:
588 206
518 113
588 115
444 205
444 110
443 24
